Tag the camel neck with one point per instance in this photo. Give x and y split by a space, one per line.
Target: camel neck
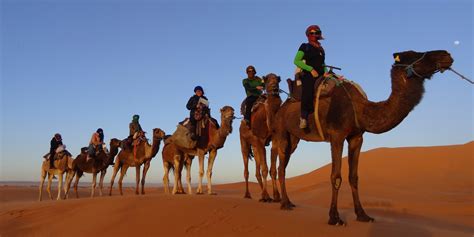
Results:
379 117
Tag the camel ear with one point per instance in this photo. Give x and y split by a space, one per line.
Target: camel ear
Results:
396 57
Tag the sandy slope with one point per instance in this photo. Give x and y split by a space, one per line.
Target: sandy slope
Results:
416 191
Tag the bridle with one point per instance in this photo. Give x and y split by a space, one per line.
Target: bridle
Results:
409 68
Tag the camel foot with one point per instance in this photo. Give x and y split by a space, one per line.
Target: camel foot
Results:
287 206
266 199
336 221
365 218
212 193
199 193
277 199
247 195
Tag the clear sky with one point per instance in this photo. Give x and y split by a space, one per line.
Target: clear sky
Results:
72 66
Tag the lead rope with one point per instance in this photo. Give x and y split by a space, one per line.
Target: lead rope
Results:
459 74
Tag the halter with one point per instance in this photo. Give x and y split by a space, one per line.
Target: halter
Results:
411 70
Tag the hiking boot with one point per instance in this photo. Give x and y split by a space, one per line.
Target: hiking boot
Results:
303 123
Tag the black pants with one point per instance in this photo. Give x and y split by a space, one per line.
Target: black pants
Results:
51 158
308 83
249 101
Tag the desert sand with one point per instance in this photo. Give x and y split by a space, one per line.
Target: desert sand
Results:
410 191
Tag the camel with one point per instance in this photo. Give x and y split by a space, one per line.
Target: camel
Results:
62 164
99 164
174 156
259 135
346 115
125 158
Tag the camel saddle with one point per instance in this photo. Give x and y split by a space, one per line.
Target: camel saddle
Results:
261 99
61 148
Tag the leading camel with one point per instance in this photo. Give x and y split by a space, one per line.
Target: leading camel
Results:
347 114
258 135
144 153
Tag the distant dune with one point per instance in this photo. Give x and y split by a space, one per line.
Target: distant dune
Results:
410 191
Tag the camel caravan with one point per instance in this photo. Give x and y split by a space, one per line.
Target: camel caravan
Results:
321 107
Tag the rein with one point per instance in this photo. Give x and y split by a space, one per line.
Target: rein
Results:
459 74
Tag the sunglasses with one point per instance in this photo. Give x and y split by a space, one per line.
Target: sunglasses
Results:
250 70
315 32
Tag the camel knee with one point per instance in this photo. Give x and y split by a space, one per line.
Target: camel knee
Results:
201 173
246 174
336 182
273 173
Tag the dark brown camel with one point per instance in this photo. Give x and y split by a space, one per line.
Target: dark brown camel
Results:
99 164
210 142
62 164
339 118
259 135
125 158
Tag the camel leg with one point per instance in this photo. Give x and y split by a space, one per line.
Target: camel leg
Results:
101 182
336 180
117 166
43 176
189 162
355 143
137 179
94 180
146 166
245 148
180 171
123 171
67 187
273 174
201 172
166 181
176 175
76 182
286 146
263 172
60 185
48 188
210 164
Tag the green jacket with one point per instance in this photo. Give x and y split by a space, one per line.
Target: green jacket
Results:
250 86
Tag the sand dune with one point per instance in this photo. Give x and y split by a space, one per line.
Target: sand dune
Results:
415 191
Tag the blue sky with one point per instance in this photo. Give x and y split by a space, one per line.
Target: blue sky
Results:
73 66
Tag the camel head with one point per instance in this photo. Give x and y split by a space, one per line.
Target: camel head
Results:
272 84
227 116
423 65
114 142
158 133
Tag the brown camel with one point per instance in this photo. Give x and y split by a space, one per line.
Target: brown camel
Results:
210 142
260 134
99 164
125 158
62 164
174 159
344 110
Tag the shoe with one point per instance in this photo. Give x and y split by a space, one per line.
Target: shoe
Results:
303 123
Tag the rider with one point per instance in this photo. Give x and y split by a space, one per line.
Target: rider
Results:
95 143
56 141
253 88
310 58
197 101
135 127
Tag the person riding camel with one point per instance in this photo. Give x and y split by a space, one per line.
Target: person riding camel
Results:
96 142
56 141
254 86
310 58
135 129
198 106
